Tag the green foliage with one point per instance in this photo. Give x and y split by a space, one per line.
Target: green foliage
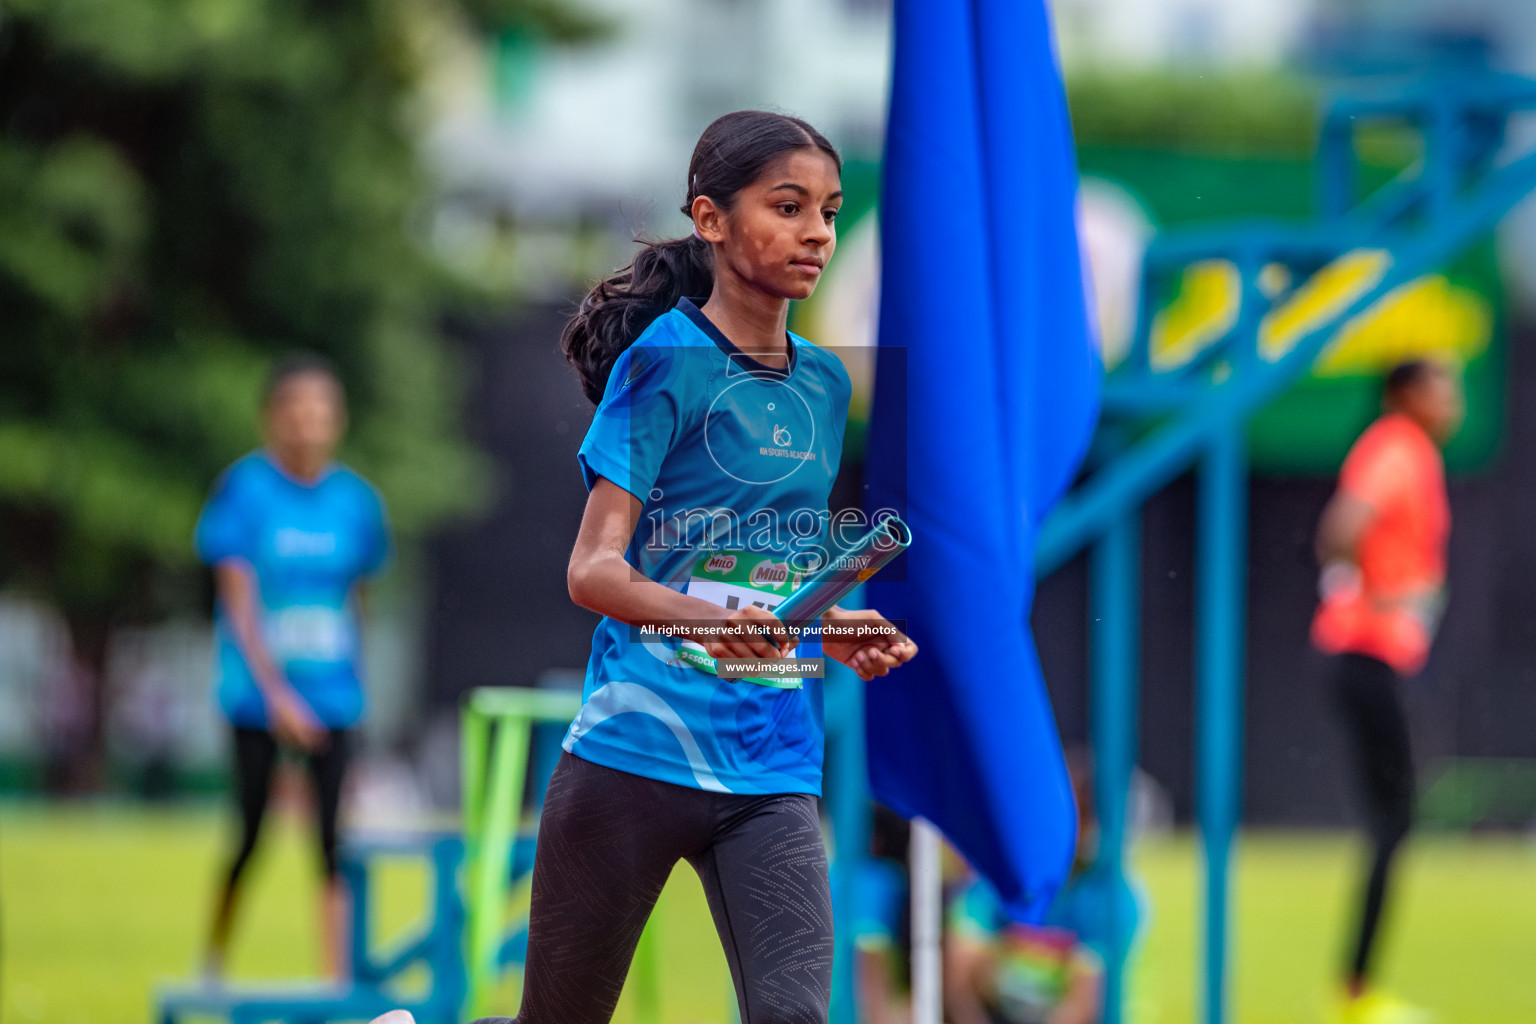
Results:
1270 114
550 19
1256 112
192 187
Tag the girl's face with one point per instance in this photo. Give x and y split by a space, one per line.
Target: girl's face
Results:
306 414
779 234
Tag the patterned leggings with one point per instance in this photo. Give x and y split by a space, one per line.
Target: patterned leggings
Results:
608 841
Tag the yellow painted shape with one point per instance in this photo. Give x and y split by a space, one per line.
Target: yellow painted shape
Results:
1323 296
1205 310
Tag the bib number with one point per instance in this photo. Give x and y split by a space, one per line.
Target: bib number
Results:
735 580
310 633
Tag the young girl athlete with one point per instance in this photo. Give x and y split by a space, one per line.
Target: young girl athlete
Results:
709 462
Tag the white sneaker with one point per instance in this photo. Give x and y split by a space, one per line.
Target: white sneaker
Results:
395 1017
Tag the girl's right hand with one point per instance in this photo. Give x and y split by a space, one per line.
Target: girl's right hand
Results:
749 632
293 721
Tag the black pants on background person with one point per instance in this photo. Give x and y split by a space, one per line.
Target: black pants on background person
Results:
255 760
256 753
1366 694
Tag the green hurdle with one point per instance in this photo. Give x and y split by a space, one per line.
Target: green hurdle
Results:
497 732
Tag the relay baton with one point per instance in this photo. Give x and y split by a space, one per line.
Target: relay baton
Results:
840 576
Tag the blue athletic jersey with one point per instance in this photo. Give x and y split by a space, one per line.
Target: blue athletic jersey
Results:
308 545
733 463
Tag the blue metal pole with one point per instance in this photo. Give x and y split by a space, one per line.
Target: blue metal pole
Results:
1441 156
1221 580
1115 608
1336 166
450 973
850 813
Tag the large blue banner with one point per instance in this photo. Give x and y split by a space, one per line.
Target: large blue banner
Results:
985 400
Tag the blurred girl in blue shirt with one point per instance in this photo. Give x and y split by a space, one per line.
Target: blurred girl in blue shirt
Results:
291 536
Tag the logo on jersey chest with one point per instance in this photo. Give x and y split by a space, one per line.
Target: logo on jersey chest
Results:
290 542
750 419
781 449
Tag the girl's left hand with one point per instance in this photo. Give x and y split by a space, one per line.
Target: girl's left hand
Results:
869 658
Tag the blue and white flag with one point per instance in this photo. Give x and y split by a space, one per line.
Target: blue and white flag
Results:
985 400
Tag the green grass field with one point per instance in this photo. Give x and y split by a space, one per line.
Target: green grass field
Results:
99 904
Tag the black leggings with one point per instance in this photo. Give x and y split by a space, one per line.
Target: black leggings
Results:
255 759
608 841
1366 695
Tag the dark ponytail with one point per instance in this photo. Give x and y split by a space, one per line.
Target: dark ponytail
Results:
730 155
618 310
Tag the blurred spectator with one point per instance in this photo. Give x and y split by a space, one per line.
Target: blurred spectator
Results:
291 536
1382 544
999 971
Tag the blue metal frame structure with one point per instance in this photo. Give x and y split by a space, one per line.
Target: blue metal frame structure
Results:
376 971
1159 422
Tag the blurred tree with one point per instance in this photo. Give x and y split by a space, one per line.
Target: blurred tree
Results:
191 187
1211 110
1218 112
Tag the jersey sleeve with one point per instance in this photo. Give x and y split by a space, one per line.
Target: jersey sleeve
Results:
635 424
225 527
377 543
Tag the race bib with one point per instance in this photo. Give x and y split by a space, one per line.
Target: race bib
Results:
737 579
309 633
